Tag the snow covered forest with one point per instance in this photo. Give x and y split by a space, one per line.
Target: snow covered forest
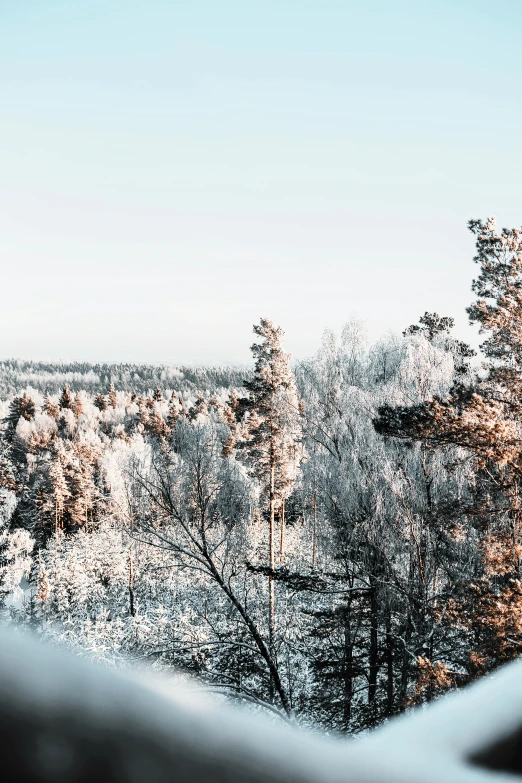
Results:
335 539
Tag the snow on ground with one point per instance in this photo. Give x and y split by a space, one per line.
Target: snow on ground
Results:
67 719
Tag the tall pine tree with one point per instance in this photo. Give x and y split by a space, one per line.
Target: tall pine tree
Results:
273 443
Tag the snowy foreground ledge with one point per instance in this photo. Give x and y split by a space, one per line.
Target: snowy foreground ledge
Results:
65 719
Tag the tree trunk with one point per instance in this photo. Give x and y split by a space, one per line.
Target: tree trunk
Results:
389 669
282 534
348 671
314 540
132 605
271 589
374 652
405 668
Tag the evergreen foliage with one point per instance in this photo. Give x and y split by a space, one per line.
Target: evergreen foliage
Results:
333 542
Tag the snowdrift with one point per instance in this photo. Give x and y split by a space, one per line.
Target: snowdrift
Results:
63 718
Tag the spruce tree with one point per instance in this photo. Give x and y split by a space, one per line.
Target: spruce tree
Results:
66 401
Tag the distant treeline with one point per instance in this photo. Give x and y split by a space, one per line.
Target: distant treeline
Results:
50 377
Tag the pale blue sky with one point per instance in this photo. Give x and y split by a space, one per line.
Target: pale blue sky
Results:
172 171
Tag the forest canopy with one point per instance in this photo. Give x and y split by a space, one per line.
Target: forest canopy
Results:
333 540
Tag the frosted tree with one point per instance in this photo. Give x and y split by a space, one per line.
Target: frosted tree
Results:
273 443
482 415
15 545
100 402
199 409
194 504
77 406
66 400
50 407
16 561
155 424
111 396
376 510
56 497
159 525
22 407
173 411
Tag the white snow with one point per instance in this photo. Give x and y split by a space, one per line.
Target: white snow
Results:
157 730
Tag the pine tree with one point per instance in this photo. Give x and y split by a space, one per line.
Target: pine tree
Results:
42 592
80 481
59 490
229 413
200 407
273 443
230 409
431 325
183 410
484 417
156 425
228 445
215 403
100 402
50 407
20 408
143 413
437 330
77 406
112 398
52 494
66 401
173 413
7 471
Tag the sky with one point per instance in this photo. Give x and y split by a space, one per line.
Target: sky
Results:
171 172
